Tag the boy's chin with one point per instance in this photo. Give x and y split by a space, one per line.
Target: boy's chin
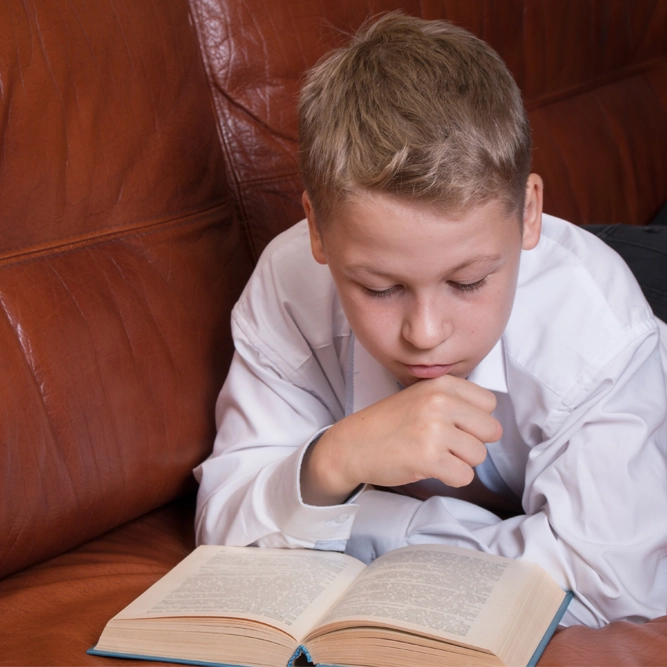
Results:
408 379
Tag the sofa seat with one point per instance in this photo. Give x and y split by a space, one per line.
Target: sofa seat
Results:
59 608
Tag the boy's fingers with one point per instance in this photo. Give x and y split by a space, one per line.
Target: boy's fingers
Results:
478 423
468 449
467 391
455 472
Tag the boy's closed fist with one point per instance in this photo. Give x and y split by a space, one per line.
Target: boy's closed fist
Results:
432 429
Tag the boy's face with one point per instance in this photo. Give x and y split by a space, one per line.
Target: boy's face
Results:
426 293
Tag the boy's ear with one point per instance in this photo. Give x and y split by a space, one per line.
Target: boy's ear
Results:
532 212
315 236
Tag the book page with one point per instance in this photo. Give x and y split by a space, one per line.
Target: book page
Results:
289 589
441 591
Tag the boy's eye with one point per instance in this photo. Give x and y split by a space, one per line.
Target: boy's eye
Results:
381 293
468 287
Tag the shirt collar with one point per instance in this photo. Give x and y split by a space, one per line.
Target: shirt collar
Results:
490 372
367 380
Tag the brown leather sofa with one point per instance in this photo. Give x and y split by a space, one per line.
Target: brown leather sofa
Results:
147 155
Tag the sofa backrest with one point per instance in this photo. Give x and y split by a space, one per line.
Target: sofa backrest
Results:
148 155
593 75
120 259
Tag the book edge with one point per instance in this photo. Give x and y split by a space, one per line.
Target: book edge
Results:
154 658
551 629
569 595
302 650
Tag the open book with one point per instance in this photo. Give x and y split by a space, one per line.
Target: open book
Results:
419 606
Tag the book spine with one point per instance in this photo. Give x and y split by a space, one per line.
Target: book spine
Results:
550 630
301 650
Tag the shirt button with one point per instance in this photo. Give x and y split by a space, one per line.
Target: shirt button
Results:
342 518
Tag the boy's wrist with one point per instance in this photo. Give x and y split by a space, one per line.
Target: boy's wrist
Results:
322 482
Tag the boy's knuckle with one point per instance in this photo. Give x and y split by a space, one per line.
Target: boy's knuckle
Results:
430 449
436 403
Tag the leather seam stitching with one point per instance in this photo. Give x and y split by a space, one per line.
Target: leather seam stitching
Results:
26 256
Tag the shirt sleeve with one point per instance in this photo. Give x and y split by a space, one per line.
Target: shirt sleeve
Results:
595 500
249 486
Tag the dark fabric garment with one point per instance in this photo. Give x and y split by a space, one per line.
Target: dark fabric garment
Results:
644 249
661 218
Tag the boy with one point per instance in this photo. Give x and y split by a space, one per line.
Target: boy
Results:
424 310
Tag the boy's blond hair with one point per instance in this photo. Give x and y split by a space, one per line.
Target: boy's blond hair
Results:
422 110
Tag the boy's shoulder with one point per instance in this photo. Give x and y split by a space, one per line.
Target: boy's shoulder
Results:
290 296
287 269
576 270
577 308
283 249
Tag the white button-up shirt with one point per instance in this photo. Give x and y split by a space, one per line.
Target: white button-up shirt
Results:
579 375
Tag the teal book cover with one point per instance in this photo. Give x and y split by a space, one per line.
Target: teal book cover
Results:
301 652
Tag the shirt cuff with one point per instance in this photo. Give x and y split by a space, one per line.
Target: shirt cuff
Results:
309 522
382 524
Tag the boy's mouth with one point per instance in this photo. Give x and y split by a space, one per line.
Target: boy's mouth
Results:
428 372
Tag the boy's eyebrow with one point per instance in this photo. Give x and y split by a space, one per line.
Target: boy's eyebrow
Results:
459 267
477 260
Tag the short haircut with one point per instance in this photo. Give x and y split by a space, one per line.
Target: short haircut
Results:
422 110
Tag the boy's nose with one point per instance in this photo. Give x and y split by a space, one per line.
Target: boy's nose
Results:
426 328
